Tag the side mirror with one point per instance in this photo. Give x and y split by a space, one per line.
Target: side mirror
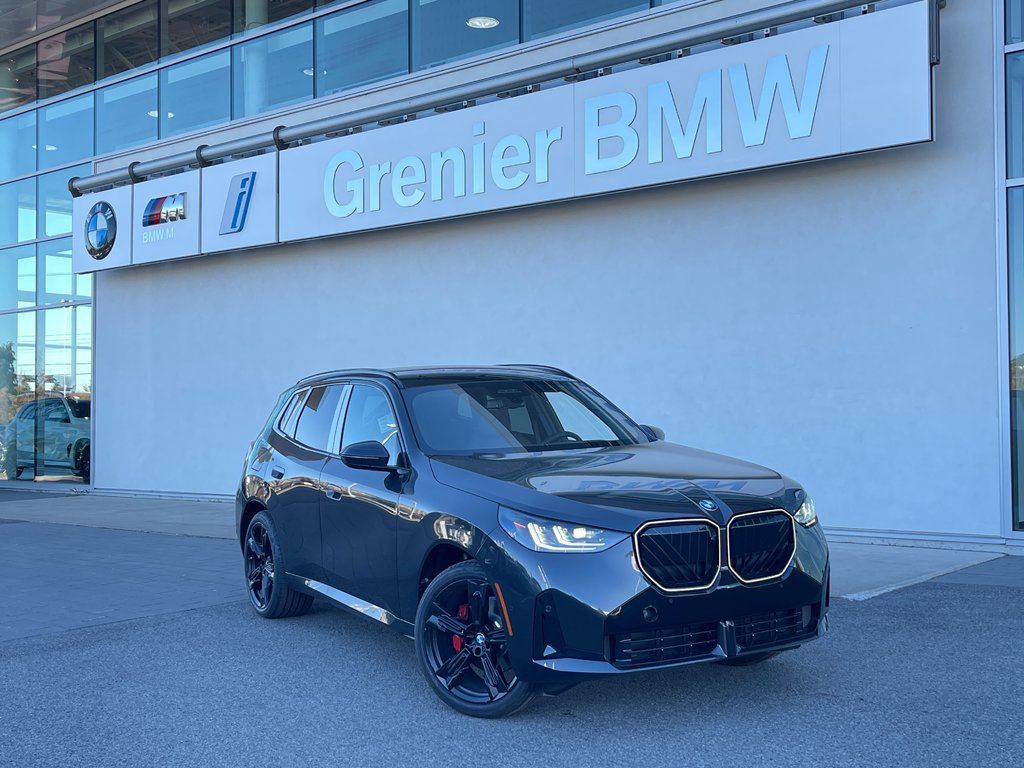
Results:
655 433
366 455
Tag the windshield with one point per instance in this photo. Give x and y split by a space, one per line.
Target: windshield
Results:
514 416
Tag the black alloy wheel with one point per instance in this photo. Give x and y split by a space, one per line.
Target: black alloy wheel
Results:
462 645
265 577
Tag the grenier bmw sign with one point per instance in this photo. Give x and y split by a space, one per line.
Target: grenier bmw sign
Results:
859 84
845 87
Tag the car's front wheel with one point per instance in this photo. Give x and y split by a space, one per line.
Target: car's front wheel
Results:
265 576
462 645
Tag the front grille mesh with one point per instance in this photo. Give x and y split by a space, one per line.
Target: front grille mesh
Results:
699 641
773 627
761 546
680 556
664 646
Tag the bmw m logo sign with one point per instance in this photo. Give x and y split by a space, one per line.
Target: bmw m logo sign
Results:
100 230
164 210
707 505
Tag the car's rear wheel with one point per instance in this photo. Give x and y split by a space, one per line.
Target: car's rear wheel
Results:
462 645
265 576
84 465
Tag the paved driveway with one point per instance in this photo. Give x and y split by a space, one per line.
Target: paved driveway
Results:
138 649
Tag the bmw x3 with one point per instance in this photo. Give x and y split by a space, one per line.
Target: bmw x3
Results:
524 531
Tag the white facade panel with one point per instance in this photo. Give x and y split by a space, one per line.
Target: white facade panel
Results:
240 208
166 218
101 237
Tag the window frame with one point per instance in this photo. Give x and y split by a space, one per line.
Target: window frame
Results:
332 433
343 412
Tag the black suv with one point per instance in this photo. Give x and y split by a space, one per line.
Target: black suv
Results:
526 532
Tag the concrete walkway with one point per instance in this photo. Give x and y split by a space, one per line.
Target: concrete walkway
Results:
859 571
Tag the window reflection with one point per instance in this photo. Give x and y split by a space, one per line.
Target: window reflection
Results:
191 23
1014 21
17 278
451 29
66 61
63 418
18 77
54 201
17 211
273 71
17 390
253 15
542 17
65 132
361 44
126 114
1015 115
56 281
17 145
195 94
127 39
1015 247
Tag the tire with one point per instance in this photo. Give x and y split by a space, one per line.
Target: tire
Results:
460 637
265 574
84 465
749 660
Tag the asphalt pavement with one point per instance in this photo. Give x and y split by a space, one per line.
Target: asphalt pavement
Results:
127 648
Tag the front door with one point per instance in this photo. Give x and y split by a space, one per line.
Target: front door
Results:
359 507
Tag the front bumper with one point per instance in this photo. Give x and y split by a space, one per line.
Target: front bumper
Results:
574 616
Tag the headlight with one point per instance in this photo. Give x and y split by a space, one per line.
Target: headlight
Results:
542 535
806 515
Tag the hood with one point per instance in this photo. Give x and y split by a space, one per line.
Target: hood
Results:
619 488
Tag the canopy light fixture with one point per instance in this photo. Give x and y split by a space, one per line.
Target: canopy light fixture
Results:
482 22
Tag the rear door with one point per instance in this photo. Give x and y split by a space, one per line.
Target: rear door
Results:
297 453
359 507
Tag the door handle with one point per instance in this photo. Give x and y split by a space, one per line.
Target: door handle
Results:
277 473
332 495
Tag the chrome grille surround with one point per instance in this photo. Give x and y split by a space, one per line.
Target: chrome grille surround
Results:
728 544
692 522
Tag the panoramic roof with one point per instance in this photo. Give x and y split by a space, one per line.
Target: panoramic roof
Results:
22 19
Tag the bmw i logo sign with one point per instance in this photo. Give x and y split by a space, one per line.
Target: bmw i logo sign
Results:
100 230
707 505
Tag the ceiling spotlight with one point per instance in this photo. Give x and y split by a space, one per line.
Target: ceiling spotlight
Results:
47 147
154 113
482 22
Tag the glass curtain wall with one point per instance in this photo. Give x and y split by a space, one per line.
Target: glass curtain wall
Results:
1014 105
360 43
45 310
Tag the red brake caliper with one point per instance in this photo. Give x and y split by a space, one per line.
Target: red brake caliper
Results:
462 615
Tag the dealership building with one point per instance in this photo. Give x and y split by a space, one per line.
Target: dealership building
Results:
788 231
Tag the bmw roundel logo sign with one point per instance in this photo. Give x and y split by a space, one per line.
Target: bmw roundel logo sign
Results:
708 505
100 230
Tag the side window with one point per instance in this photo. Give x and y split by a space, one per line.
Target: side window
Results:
291 413
370 417
28 411
55 412
317 417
